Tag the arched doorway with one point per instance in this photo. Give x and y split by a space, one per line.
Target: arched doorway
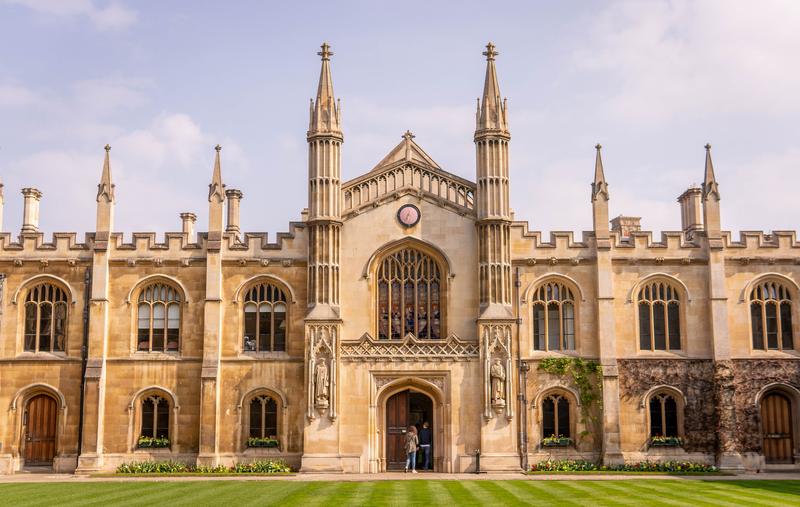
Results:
404 409
41 414
777 428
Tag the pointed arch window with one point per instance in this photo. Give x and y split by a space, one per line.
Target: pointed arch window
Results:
45 319
263 417
553 317
159 318
265 319
155 417
659 316
409 296
771 316
556 417
663 416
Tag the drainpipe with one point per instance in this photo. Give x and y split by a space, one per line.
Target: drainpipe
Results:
87 284
522 371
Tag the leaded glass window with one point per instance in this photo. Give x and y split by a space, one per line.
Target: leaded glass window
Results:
771 316
409 296
45 319
159 319
659 317
553 317
265 319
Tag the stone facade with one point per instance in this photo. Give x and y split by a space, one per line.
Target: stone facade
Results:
471 342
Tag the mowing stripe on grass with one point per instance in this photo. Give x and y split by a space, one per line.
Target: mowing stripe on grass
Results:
740 494
498 493
459 494
543 491
609 494
652 494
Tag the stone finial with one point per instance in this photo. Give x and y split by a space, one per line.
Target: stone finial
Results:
599 185
710 185
326 52
105 189
234 197
216 188
30 212
490 52
188 220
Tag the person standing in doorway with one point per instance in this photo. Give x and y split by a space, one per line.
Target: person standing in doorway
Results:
412 443
425 441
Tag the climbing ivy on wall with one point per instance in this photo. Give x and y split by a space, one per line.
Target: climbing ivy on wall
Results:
586 375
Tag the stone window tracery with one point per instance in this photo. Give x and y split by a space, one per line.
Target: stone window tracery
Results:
159 318
263 417
663 416
409 296
556 416
45 319
155 417
771 316
659 316
265 319
553 317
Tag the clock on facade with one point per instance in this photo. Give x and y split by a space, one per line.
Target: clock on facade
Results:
408 215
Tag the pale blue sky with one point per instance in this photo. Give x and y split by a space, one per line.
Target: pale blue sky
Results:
162 82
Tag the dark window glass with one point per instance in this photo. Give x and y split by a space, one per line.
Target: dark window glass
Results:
659 327
256 412
644 326
162 426
671 417
772 326
30 326
265 319
655 417
563 418
548 418
674 324
148 414
757 323
786 325
553 332
538 326
568 317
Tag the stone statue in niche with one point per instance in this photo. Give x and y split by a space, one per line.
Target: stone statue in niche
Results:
498 379
321 384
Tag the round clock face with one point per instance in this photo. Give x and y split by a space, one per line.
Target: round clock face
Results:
408 215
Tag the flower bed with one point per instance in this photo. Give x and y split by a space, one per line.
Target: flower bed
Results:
262 442
644 466
152 443
177 467
659 441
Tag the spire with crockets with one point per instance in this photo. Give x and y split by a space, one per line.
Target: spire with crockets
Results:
325 110
491 113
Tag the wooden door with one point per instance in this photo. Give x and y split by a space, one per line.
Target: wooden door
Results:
40 430
776 422
396 427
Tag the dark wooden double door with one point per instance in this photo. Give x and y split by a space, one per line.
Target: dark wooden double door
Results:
405 409
40 430
777 427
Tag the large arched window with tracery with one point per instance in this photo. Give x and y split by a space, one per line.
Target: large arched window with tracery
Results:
553 317
265 319
659 316
45 318
159 318
409 296
771 316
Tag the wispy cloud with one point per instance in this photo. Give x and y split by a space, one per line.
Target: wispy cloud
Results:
104 16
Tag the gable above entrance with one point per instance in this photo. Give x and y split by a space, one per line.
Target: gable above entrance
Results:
407 169
407 151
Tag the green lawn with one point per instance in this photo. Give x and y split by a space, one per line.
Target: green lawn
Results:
451 493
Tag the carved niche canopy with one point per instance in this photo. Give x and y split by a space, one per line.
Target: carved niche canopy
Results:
409 349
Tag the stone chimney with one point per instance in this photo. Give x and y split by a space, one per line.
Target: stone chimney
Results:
626 225
30 212
234 197
691 203
188 220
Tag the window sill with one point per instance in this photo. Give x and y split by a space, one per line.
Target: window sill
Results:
662 354
772 354
255 356
157 356
537 354
46 356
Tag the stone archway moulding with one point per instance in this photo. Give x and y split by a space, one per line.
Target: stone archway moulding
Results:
43 277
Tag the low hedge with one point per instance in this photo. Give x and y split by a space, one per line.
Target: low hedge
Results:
642 466
177 467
